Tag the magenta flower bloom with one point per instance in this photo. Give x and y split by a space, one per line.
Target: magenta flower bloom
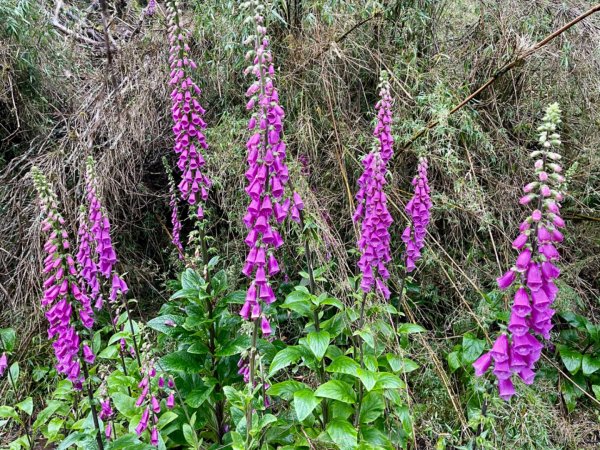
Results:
267 177
171 401
418 211
187 116
65 302
3 363
105 409
154 436
371 211
531 314
143 424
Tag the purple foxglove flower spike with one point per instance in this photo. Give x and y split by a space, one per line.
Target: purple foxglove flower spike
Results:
534 270
371 211
187 115
267 177
418 210
65 301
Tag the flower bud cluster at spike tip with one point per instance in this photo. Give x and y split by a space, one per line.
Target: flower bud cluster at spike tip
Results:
187 115
383 129
418 210
61 287
151 8
153 388
267 177
534 272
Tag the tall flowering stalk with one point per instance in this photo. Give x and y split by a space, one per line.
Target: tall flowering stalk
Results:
67 303
372 212
96 256
418 210
518 350
267 177
187 115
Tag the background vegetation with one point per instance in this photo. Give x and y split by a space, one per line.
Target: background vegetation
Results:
60 101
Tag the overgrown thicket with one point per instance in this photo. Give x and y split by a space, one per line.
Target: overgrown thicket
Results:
61 101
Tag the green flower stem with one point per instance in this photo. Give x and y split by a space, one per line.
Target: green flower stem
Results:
90 394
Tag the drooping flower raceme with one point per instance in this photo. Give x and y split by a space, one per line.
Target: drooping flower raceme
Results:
534 272
267 176
152 388
187 115
418 210
372 212
100 242
66 302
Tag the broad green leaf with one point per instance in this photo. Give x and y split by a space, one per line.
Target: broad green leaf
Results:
472 348
343 364
14 372
234 347
336 390
453 361
371 363
9 339
198 348
54 427
189 435
218 282
26 406
183 361
110 352
408 328
366 336
304 403
45 414
371 407
376 439
72 439
197 397
399 364
285 357
318 341
388 381
596 390
367 377
286 389
127 442
166 324
299 302
590 364
342 433
166 418
333 302
570 358
125 404
8 412
191 280
235 298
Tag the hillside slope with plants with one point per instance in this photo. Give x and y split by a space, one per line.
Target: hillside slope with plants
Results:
299 224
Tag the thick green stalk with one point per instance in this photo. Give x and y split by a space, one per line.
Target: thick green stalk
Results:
90 393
